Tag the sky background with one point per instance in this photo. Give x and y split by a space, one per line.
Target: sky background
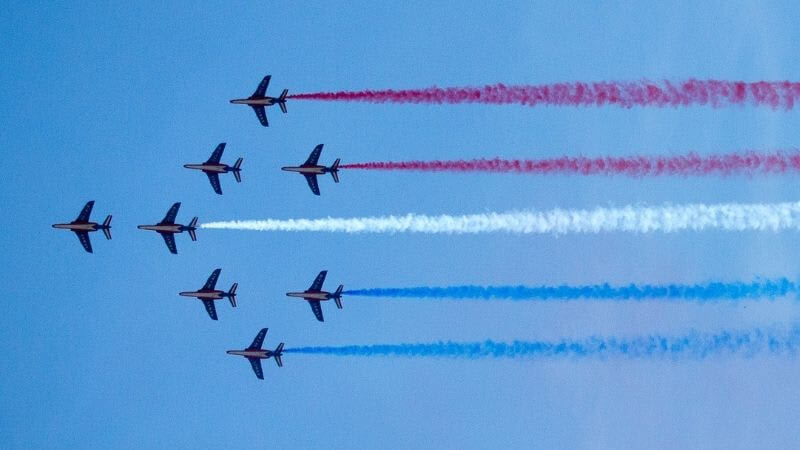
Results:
106 102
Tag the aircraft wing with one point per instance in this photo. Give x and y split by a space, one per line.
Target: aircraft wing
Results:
313 158
259 340
261 90
212 280
261 113
312 183
169 239
169 219
316 286
85 212
315 306
256 363
83 236
217 155
212 311
214 179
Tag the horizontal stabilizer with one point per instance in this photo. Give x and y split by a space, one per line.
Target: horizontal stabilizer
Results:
282 98
278 355
335 170
193 235
193 223
237 167
232 294
107 227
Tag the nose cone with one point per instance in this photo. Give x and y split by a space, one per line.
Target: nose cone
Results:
230 352
185 294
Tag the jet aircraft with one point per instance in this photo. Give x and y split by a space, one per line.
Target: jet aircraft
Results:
208 294
310 169
82 227
255 354
258 101
167 228
315 294
213 168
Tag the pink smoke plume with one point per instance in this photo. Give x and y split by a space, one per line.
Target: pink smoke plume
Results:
750 163
716 93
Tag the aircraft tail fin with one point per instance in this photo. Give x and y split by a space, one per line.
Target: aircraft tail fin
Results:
232 294
335 170
237 167
337 296
192 229
278 354
282 101
107 227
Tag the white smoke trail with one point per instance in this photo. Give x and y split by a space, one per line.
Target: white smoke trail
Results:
636 219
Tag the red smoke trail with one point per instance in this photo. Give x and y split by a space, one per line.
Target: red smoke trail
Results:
716 93
729 164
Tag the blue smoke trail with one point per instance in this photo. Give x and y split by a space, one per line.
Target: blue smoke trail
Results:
699 292
694 345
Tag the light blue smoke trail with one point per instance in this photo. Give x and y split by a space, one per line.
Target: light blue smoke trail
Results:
694 345
717 290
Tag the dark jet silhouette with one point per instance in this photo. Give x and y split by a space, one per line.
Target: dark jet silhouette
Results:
208 294
167 228
82 227
315 294
258 101
213 168
310 169
255 354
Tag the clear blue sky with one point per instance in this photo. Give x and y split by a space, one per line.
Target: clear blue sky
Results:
106 102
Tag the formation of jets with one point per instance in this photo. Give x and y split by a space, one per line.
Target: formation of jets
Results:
168 228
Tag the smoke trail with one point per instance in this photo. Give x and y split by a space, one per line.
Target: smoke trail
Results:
637 219
750 163
694 345
716 93
698 292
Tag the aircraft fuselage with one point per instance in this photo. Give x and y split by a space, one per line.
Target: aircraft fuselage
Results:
89 226
214 294
265 101
321 296
172 228
252 353
311 170
213 168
